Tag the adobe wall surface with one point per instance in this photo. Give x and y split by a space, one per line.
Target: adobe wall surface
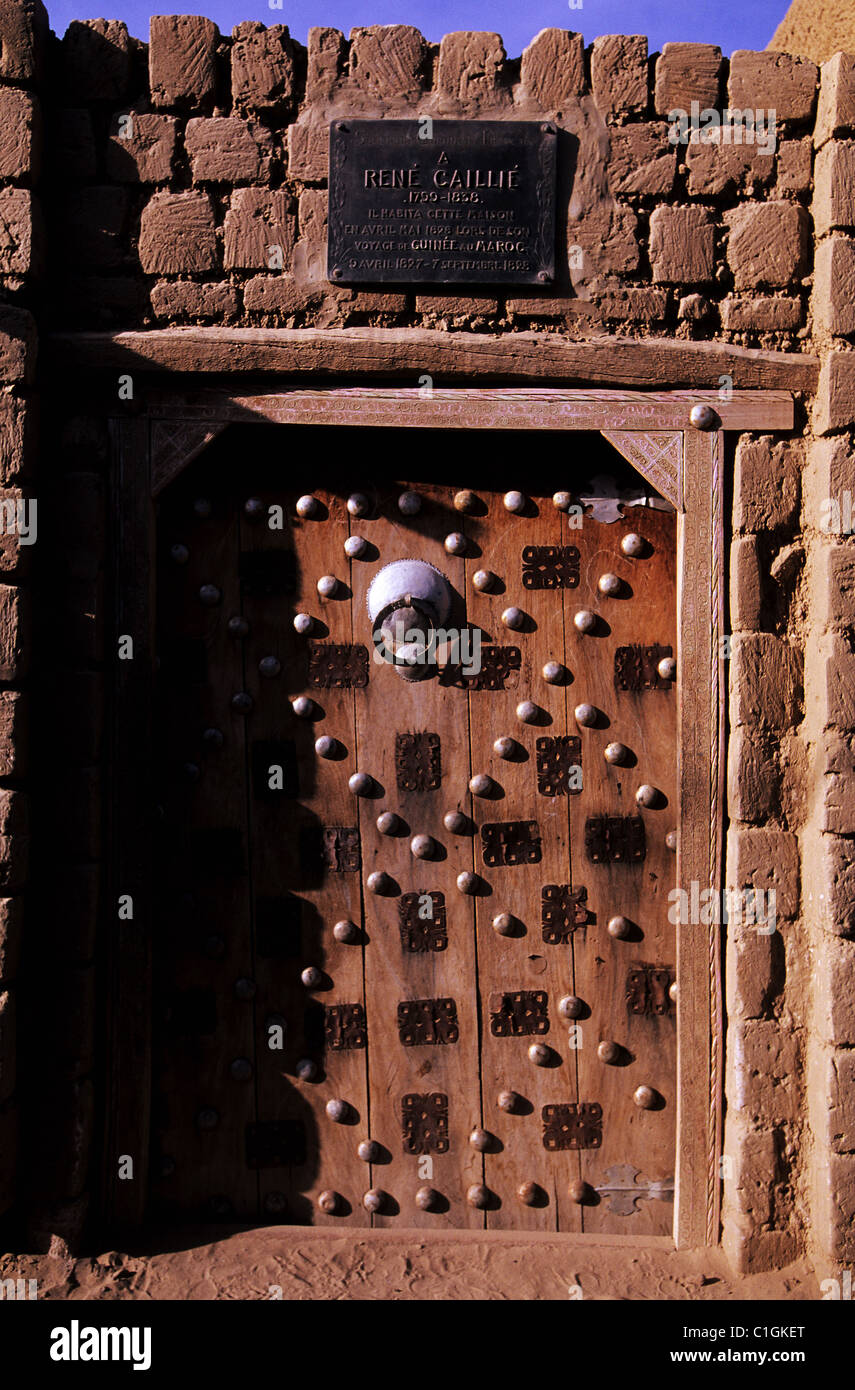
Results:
171 170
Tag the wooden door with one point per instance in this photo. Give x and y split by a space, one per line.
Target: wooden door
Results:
414 959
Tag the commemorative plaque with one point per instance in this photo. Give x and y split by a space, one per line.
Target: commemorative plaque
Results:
442 202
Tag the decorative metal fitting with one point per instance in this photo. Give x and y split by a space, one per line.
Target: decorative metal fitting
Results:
241 1069
465 500
633 545
514 618
269 667
338 1110
571 1006
616 753
528 712
203 507
427 1199
586 715
646 1098
554 673
504 924
326 746
346 932
483 580
327 586
505 747
467 883
244 989
238 627
478 1196
455 543
329 1202
480 1140
423 846
409 504
609 1052
303 623
210 595
540 1054
361 783
253 508
609 584
356 547
306 1069
620 928
179 554
481 784
456 822
374 1200
509 1101
241 702
308 507
647 795
667 668
703 417
379 882
514 501
529 1193
369 1151
585 620
312 977
303 707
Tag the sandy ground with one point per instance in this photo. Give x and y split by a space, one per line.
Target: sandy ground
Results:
323 1265
816 29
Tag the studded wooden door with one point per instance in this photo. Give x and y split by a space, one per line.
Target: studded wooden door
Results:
414 962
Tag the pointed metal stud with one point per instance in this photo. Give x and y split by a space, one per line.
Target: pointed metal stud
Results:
203 507
358 504
506 747
633 545
338 1110
207 1117
616 754
540 1054
192 771
241 702
241 1069
703 417
467 883
586 715
303 623
422 846
609 584
648 796
238 627
179 554
480 1140
275 1203
609 1052
672 991
308 507
514 502
554 673
562 501
529 1193
329 1202
579 1191
509 1101
667 668
514 618
374 1200
269 667
481 784
356 547
346 932
306 1069
585 620
244 989
388 823
210 595
327 586
312 977
478 1196
303 706
213 738
456 822
504 924
455 543
379 882
409 504
369 1151
620 928
645 1097
571 1006
253 508
483 580
671 839
427 1199
528 712
326 746
361 783
465 501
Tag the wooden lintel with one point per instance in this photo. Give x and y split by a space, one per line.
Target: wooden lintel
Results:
393 352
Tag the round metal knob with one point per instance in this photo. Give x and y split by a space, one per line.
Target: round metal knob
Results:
241 1069
620 928
192 771
514 618
554 673
238 627
374 1199
609 584
467 882
306 1069
616 753
379 882
667 668
422 846
207 1118
326 746
409 504
329 1202
514 501
505 747
562 500
253 508
213 738
427 1199
483 580
303 623
672 991
586 715
647 795
539 1053
203 507
356 547
703 417
346 932
303 707
369 1151
180 554
527 711
671 839
509 1101
210 595
388 823
579 1191
456 822
455 543
358 504
529 1193
269 667
645 1097
241 702
478 1196
504 924
244 989
327 585
571 1006
481 784
480 1140
308 507
361 783
338 1110
585 620
633 545
465 500
312 977
609 1052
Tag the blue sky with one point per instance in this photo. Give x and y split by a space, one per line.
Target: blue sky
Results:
729 23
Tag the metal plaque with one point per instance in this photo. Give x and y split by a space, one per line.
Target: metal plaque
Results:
519 1015
506 843
338 665
499 670
562 911
647 989
550 567
559 765
275 1144
427 1022
615 839
417 762
636 668
344 1027
442 202
422 922
573 1126
424 1123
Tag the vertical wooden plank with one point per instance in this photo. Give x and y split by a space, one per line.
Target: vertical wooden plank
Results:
394 975
129 991
635 1142
700 602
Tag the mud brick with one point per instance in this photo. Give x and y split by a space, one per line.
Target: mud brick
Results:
8 1057
226 149
177 235
15 632
619 73
768 244
20 241
182 60
835 113
14 732
552 69
172 299
795 165
93 228
71 146
263 67
257 221
18 124
17 345
834 285
716 167
388 61
834 407
470 70
17 438
682 245
326 62
642 159
14 863
687 72
638 305
24 35
308 152
766 483
282 295
761 315
144 153
753 780
776 82
766 682
608 239
834 186
456 304
11 938
374 302
96 56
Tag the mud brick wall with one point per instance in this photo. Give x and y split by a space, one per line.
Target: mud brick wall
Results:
23 40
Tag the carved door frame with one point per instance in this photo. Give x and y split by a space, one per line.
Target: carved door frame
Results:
686 464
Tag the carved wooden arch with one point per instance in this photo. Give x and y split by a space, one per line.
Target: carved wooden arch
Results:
651 430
